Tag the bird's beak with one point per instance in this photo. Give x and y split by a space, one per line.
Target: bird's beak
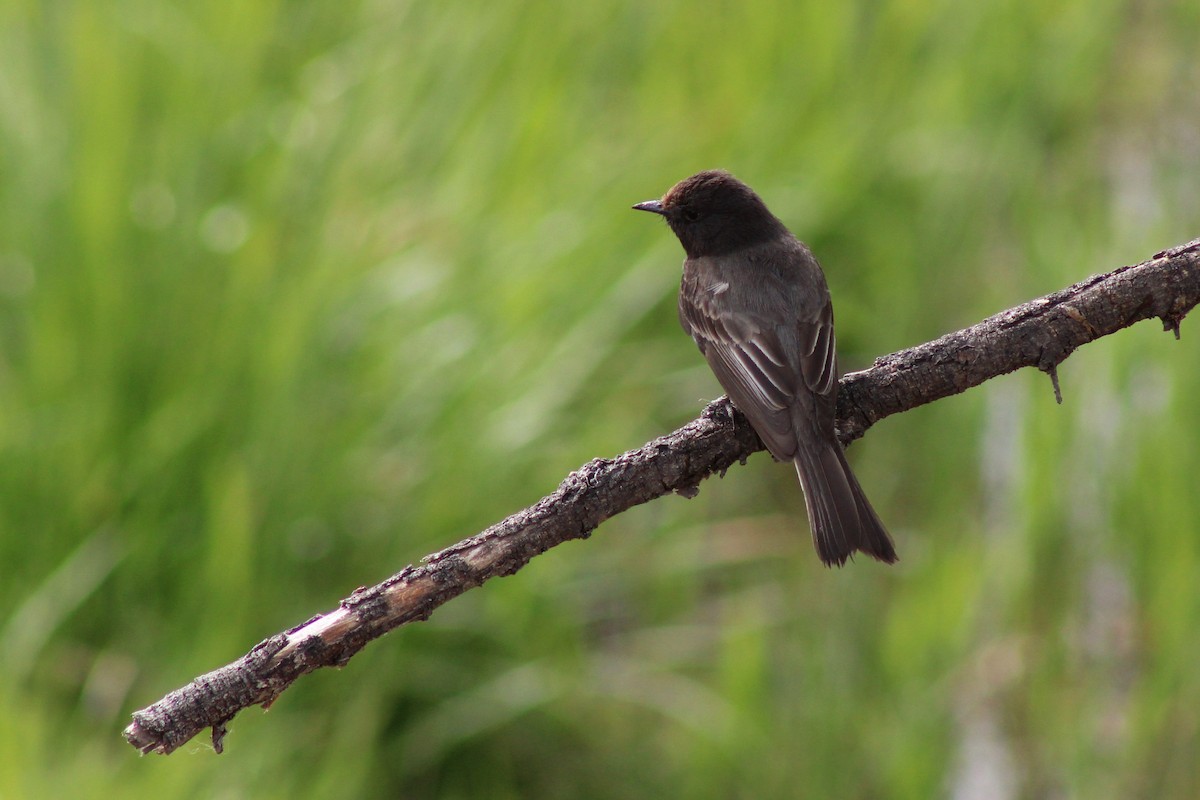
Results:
653 206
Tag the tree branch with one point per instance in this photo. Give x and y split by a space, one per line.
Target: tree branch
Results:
1041 334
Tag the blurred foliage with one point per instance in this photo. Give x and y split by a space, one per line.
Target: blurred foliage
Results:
292 294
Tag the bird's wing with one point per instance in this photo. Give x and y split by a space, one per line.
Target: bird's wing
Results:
774 373
818 354
767 370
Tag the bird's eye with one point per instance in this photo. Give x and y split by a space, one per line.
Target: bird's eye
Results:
691 214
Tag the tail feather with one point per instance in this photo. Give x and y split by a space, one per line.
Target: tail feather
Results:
839 513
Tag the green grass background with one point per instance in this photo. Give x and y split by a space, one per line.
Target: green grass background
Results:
292 294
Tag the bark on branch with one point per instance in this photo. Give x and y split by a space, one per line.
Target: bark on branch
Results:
1041 334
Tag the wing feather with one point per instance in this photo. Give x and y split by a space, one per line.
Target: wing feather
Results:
763 368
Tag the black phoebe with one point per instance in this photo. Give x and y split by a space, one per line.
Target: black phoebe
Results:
755 300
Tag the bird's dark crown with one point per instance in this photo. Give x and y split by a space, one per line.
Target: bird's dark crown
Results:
713 213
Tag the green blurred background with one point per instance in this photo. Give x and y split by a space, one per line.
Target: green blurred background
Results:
292 294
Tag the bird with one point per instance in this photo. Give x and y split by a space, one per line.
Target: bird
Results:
754 299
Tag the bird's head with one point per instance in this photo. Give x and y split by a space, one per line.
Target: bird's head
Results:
714 213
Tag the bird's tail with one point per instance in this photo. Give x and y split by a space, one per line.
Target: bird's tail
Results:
839 514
